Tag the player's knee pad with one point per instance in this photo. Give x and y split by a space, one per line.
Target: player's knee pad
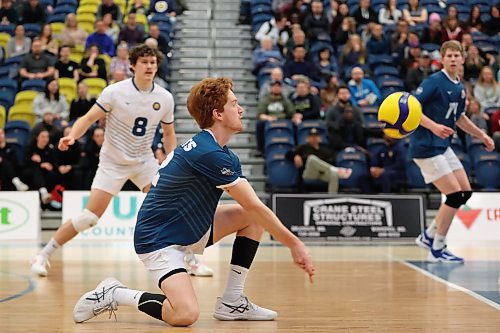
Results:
467 195
457 199
84 221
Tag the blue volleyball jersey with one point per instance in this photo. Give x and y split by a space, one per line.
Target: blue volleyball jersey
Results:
180 207
443 101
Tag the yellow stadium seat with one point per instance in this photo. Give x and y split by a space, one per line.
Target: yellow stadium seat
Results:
139 18
87 26
90 2
4 39
22 112
76 58
87 9
85 17
25 97
67 87
2 116
96 85
57 27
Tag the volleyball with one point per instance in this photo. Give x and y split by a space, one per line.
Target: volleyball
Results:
400 114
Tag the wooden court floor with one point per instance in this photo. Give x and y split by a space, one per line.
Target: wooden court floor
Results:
357 289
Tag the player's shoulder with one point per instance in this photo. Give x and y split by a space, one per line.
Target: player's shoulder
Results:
162 92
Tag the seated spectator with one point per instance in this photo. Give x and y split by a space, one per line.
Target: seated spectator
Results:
433 33
492 26
108 6
92 152
266 56
416 75
132 33
353 53
49 45
65 67
48 124
473 64
298 66
121 62
8 15
272 107
164 7
467 42
92 65
110 27
9 168
296 14
316 162
82 103
71 34
298 38
101 39
40 168
307 106
316 24
342 13
414 13
327 65
474 22
364 92
495 129
19 44
378 43
387 165
117 76
328 94
411 59
389 14
451 30
347 29
276 29
51 100
276 75
69 166
36 65
364 14
399 38
487 89
154 32
32 12
138 8
452 12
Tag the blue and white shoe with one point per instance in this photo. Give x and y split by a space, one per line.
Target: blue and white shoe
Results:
423 240
444 255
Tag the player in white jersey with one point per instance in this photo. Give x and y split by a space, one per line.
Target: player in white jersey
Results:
133 109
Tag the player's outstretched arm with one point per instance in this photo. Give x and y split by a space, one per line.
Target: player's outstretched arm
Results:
436 128
169 139
245 195
81 126
469 127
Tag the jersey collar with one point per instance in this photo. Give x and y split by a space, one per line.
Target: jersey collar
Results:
139 90
211 133
449 78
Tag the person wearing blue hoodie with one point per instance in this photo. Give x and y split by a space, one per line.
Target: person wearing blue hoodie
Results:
364 92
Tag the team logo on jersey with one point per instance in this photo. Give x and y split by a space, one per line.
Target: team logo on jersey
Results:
462 94
227 172
156 106
419 90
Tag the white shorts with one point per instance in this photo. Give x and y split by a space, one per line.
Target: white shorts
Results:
111 177
165 262
435 167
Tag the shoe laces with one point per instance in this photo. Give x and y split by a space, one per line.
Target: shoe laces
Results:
249 303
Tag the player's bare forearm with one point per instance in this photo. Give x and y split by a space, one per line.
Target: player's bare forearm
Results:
83 123
427 122
169 139
468 127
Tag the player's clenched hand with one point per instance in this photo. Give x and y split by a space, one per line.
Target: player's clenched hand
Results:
65 142
302 258
442 131
488 142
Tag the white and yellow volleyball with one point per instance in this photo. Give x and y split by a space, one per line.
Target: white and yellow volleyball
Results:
400 114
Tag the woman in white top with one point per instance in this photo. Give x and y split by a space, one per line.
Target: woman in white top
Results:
414 13
389 14
52 101
72 35
487 90
19 44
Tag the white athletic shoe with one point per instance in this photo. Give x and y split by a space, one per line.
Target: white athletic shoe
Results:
40 265
97 301
195 267
241 309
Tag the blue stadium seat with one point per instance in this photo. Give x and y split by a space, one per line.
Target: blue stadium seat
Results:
389 81
430 47
261 8
388 90
277 128
32 29
17 134
374 144
475 147
261 2
279 145
6 98
281 173
13 61
380 59
304 128
487 168
371 121
8 28
370 109
465 160
38 85
72 3
64 10
455 2
8 89
486 47
356 160
259 19
436 9
386 70
56 18
4 72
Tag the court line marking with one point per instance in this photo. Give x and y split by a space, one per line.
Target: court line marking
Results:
448 283
31 286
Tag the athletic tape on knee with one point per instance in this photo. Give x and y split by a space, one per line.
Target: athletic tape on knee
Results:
455 199
84 221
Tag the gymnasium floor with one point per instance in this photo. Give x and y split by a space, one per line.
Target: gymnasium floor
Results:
358 288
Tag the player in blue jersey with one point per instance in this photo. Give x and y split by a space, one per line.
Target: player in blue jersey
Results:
181 213
442 96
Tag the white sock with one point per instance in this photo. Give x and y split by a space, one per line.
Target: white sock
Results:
235 283
48 249
439 242
125 296
431 229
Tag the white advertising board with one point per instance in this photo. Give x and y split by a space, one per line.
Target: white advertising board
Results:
19 215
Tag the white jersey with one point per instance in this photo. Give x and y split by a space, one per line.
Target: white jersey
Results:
132 117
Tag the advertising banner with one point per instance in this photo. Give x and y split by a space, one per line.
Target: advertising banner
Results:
19 215
118 221
327 217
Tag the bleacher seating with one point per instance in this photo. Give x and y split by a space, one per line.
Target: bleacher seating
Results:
487 167
355 160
